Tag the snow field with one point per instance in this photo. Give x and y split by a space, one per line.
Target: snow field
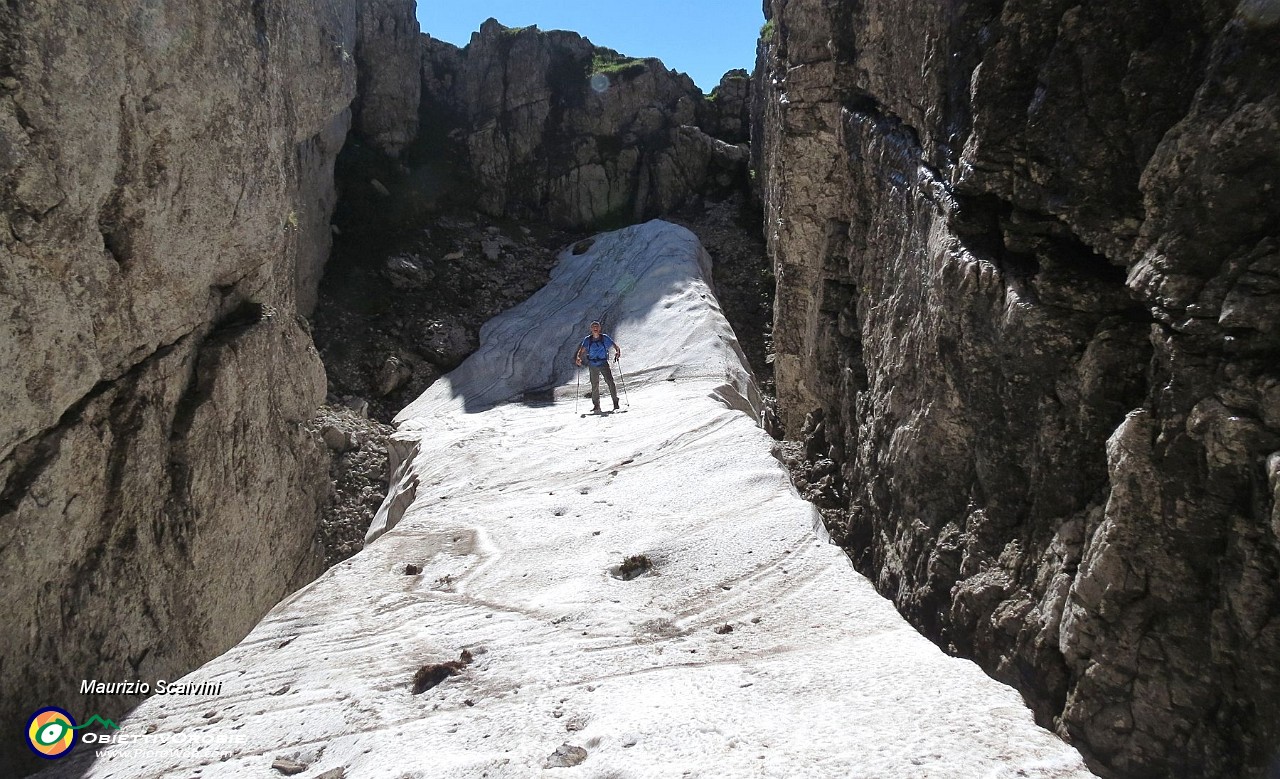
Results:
522 511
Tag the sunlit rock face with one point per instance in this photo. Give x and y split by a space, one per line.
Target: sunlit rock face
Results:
726 113
553 127
167 174
1028 322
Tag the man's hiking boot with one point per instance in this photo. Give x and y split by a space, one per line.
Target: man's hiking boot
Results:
615 405
595 409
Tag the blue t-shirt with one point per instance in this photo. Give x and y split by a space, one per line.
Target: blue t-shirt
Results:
598 351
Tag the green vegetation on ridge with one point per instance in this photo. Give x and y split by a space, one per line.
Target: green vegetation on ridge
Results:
611 63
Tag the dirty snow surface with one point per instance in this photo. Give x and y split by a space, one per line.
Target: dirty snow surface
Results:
749 647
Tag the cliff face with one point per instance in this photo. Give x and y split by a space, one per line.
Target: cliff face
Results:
166 178
1028 283
726 113
389 54
555 128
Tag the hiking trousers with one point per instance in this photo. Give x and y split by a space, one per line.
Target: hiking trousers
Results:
596 370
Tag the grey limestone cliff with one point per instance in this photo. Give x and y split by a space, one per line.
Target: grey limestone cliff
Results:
1028 321
167 180
389 53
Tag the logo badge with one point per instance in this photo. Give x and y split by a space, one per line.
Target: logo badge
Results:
51 732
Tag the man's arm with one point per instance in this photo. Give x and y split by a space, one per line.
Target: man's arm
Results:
577 356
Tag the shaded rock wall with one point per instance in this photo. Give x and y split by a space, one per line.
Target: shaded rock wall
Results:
389 53
1028 320
726 113
555 128
167 178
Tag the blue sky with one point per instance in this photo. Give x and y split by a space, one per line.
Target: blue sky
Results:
703 38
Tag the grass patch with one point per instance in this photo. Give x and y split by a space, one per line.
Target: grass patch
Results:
767 31
611 63
633 566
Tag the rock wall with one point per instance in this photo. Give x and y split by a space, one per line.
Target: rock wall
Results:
726 113
389 53
166 177
1028 321
555 128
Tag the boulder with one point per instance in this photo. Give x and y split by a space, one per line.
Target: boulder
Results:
393 375
449 343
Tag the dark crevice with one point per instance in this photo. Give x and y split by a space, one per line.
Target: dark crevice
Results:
977 222
260 29
904 136
136 661
1085 263
117 238
242 317
872 130
199 389
9 37
124 419
35 455
116 228
178 517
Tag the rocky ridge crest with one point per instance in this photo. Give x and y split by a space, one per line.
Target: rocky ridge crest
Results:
555 128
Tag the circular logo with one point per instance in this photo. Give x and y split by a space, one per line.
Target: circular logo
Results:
50 732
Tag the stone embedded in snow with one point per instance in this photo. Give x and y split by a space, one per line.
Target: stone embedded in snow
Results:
565 756
518 508
288 767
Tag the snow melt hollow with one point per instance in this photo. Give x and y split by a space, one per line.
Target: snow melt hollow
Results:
742 645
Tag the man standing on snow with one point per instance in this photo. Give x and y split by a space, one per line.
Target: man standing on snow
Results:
596 349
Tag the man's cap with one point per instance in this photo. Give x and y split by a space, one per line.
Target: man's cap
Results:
593 324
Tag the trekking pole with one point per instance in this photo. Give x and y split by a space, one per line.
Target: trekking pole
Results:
577 387
623 376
